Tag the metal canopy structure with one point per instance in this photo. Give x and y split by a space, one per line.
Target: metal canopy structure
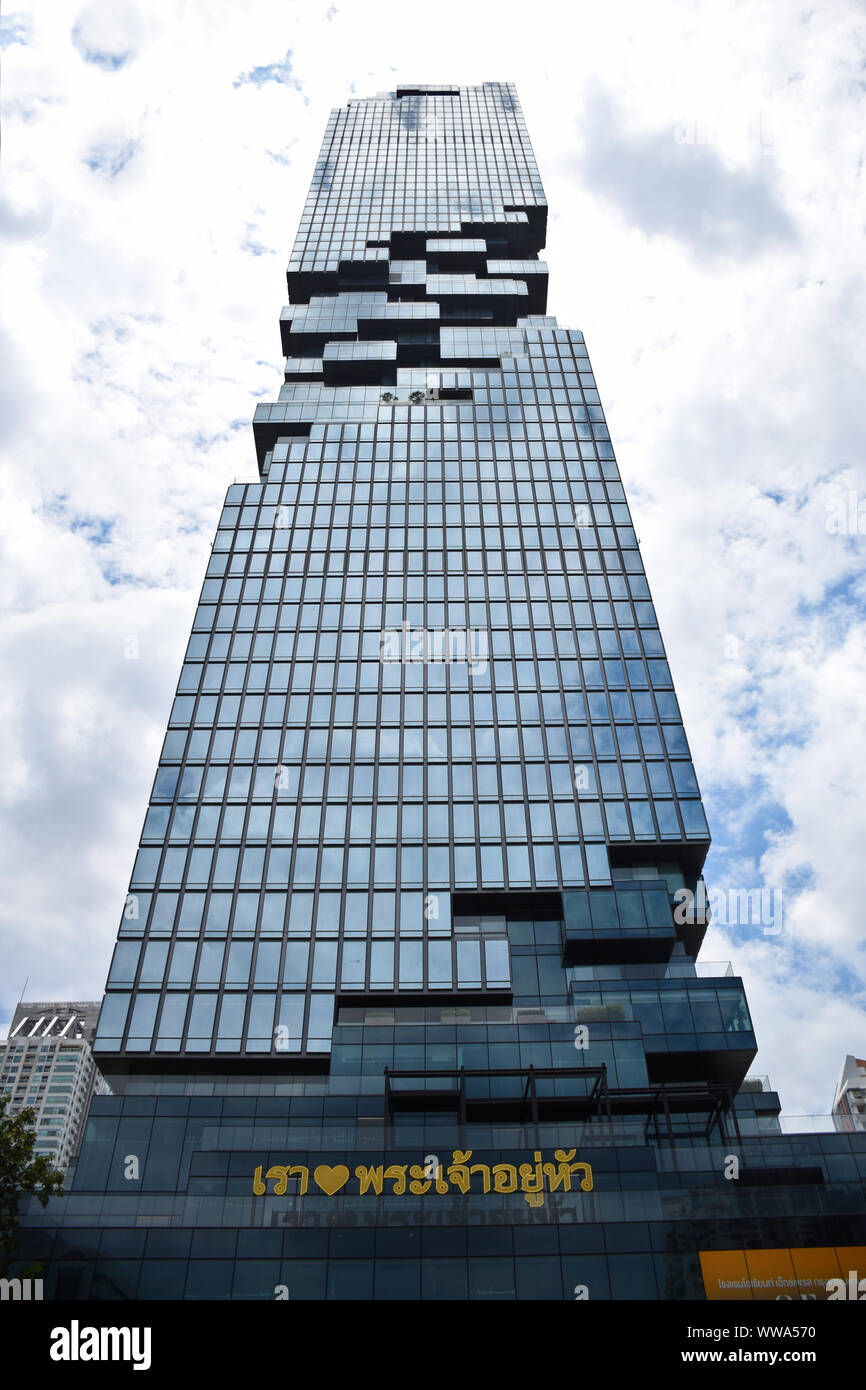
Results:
670 1110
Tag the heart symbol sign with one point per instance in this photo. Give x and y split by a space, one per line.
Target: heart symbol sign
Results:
330 1180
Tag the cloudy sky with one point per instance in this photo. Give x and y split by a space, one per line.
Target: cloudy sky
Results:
704 167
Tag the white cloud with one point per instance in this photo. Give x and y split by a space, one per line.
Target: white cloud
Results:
672 181
143 328
108 33
14 28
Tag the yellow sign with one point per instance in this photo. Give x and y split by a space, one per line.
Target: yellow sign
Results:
781 1274
421 1178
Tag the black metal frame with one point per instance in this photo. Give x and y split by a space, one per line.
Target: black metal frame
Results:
655 1101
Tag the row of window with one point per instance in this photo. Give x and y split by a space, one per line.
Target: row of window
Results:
414 659
559 409
296 914
484 865
484 493
284 780
465 551
257 825
301 1022
601 708
413 676
342 217
347 582
495 600
461 706
528 1277
464 169
415 673
436 964
382 625
359 821
452 173
414 644
312 616
435 539
624 1060
467 170
241 828
455 1240
559 415
695 1008
459 562
494 462
466 178
575 543
292 465
544 443
493 588
481 779
287 515
511 502
481 497
255 1019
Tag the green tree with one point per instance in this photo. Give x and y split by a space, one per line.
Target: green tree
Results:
21 1173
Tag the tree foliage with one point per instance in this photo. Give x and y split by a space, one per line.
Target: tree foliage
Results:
20 1172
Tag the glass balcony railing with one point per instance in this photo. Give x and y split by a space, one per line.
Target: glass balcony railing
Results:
755 1083
702 969
819 1124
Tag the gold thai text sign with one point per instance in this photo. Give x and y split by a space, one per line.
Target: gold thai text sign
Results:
421 1179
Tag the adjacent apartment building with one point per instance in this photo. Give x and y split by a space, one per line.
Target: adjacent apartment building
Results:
46 1064
849 1102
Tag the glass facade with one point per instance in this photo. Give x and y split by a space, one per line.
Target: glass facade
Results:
405 926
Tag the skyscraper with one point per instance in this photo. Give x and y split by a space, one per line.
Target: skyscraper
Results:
46 1064
404 1000
849 1101
425 665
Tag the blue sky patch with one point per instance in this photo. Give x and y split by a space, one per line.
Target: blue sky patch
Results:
14 28
270 72
111 157
95 529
